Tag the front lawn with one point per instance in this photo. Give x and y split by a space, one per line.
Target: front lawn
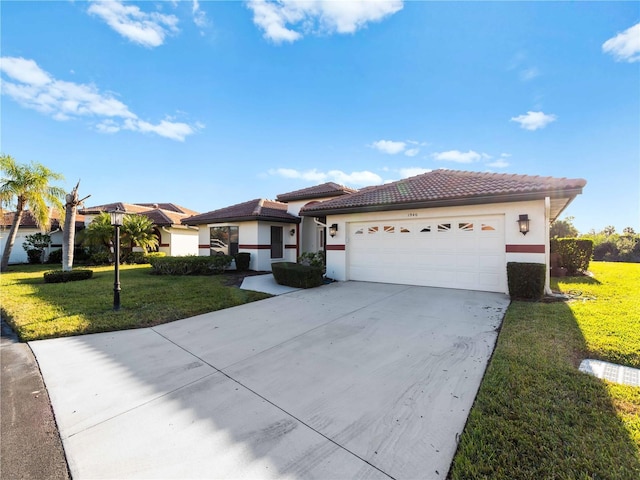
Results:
38 310
536 416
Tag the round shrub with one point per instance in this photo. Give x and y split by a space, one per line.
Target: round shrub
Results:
55 256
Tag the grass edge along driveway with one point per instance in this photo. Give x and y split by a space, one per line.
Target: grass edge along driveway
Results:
38 310
536 415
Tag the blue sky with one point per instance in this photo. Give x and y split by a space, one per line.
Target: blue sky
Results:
207 104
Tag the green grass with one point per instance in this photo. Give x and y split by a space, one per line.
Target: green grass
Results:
38 310
536 416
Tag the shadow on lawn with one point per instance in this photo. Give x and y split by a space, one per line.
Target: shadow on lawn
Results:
536 415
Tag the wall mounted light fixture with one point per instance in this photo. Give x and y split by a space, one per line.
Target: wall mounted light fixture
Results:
333 229
523 224
292 232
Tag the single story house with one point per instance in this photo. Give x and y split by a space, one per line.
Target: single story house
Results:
444 228
28 226
174 238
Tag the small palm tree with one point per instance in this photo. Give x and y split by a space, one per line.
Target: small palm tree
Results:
99 232
138 230
29 186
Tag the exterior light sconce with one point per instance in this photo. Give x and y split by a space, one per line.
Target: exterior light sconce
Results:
523 224
333 229
117 217
292 232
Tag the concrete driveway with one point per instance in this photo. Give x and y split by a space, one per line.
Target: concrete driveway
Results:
349 380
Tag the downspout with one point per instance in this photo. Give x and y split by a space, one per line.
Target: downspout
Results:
315 219
547 253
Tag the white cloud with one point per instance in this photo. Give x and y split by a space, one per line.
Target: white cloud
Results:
143 28
314 175
534 120
499 163
529 74
199 17
389 146
625 47
412 171
282 20
34 88
460 157
412 152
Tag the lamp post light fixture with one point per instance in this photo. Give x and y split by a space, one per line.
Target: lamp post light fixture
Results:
333 229
117 217
523 224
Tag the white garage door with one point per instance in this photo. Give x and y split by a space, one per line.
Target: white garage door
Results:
457 252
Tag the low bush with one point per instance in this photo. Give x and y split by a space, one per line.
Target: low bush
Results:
100 258
526 280
313 259
243 259
35 256
136 258
190 265
58 276
575 254
296 275
55 256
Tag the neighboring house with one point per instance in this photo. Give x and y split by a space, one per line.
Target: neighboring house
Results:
174 238
444 228
28 226
260 227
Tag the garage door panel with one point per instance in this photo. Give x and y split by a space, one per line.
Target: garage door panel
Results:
461 252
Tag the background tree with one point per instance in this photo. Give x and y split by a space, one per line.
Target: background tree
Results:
138 230
629 231
35 245
69 229
99 233
609 230
563 229
29 187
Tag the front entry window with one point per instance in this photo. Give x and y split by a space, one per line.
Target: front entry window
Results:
277 245
223 240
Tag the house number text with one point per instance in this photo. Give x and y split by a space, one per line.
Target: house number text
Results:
412 215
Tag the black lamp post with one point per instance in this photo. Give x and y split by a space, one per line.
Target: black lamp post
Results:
116 220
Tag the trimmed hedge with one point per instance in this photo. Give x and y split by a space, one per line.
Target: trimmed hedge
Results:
55 256
243 259
526 280
296 275
189 265
58 276
575 253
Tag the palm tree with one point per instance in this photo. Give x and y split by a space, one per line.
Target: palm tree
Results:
99 232
138 230
29 186
69 230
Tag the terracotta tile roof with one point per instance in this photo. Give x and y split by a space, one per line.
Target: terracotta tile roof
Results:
161 214
170 207
449 187
57 219
258 209
328 189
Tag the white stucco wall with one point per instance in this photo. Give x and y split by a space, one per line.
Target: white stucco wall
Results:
181 241
337 260
255 238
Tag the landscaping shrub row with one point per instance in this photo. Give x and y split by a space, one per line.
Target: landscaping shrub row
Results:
190 265
574 253
296 275
58 276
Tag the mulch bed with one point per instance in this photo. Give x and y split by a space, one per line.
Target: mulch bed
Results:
233 278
